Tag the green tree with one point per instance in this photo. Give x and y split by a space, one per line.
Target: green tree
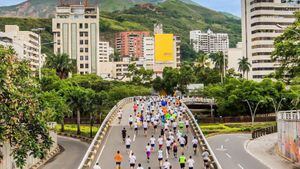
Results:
21 119
287 52
62 64
187 52
244 66
139 76
170 79
186 77
220 63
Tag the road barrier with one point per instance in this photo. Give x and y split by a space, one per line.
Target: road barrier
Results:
92 151
261 132
214 163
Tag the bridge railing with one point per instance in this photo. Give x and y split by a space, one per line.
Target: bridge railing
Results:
289 115
92 151
198 100
214 163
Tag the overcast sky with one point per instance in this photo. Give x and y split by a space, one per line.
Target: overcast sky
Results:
231 6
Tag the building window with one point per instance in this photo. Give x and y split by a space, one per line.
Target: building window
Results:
58 25
86 26
81 42
81 34
81 65
86 42
58 50
81 57
86 49
86 65
58 42
81 73
80 26
86 57
86 34
81 49
58 34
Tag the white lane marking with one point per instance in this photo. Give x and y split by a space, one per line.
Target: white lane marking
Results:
227 140
104 145
240 166
134 137
221 148
228 155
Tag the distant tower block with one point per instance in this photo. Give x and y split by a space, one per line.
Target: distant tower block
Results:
158 28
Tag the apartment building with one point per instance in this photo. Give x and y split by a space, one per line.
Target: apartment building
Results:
130 43
209 42
105 51
262 22
76 33
27 45
148 50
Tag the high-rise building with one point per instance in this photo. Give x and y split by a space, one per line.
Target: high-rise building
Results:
262 22
26 44
130 44
76 33
234 55
209 42
104 51
148 49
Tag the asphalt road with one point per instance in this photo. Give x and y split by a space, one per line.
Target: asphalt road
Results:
113 143
231 153
70 158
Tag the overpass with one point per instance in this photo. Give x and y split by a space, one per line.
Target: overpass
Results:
108 140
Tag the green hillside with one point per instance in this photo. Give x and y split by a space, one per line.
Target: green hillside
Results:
176 16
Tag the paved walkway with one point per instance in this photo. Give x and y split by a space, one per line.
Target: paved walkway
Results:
113 142
70 158
263 149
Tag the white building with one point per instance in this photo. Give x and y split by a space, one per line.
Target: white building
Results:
105 51
25 43
261 22
148 48
234 54
76 33
209 42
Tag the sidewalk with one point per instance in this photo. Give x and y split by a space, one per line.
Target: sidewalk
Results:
263 149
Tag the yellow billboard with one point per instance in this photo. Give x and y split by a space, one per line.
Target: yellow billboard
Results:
164 48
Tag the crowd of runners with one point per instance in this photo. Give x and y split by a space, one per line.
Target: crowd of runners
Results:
163 120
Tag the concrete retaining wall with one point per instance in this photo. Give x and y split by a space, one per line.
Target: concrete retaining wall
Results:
289 139
8 161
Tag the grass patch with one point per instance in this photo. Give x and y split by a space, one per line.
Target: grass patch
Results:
225 128
72 129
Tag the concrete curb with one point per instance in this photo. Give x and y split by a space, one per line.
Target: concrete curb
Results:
81 138
52 154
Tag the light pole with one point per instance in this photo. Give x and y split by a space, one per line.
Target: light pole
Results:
278 106
282 27
39 31
253 112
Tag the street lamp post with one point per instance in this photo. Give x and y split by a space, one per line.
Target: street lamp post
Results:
253 112
282 27
278 106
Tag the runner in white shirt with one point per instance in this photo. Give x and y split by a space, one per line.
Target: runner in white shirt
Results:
148 152
187 124
152 142
132 160
145 126
174 124
190 162
167 164
128 143
130 121
160 141
182 143
120 115
160 157
195 145
168 145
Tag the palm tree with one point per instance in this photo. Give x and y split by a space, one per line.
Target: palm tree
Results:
244 66
62 64
202 60
218 59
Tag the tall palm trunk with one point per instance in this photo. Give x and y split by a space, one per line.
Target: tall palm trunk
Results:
78 122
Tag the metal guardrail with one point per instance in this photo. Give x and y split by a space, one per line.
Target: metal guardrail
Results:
92 151
289 115
214 163
265 131
198 100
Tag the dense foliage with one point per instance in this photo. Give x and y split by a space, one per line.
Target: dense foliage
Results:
22 118
231 97
287 51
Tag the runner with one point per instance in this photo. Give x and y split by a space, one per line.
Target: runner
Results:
167 164
182 161
152 142
160 157
191 162
132 160
120 115
130 121
145 126
195 145
205 156
187 124
160 141
148 152
140 166
136 127
182 143
124 134
168 145
118 159
175 149
128 143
